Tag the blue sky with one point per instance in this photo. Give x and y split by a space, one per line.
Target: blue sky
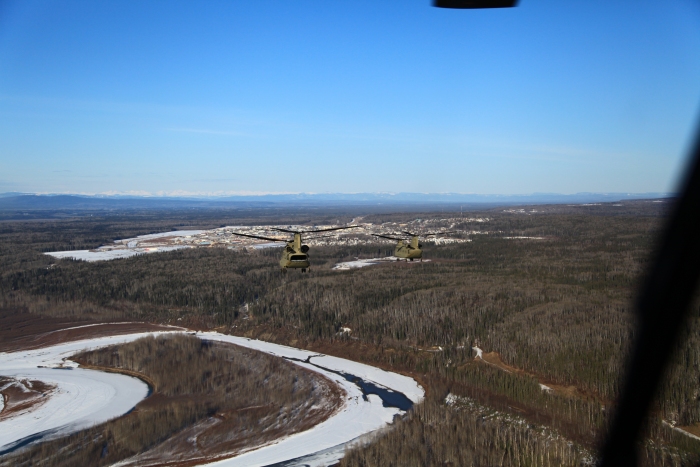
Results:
168 97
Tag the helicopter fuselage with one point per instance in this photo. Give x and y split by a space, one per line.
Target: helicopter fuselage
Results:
294 259
410 250
295 255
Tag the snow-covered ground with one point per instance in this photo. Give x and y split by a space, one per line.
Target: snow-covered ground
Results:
261 246
86 397
106 255
325 443
81 398
361 263
129 247
673 426
394 381
172 233
227 237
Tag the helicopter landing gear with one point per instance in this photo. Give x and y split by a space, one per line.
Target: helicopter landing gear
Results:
411 259
303 270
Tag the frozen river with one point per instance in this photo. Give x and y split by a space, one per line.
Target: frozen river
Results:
81 398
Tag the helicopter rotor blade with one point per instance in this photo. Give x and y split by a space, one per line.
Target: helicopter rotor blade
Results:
320 236
328 230
259 237
409 233
314 231
384 236
285 230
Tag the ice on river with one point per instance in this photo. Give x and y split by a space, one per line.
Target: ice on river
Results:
81 398
86 397
325 443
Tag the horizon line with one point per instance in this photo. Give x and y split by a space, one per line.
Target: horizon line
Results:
248 194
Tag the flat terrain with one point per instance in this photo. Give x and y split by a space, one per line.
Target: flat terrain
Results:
543 291
22 331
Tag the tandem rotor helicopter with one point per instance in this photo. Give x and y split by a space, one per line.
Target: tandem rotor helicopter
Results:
295 254
409 250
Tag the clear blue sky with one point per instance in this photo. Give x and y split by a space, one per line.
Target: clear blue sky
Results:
346 96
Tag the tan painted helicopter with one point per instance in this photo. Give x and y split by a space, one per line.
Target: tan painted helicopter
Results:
409 250
295 254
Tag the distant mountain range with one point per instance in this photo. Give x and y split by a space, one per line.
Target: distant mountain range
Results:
28 201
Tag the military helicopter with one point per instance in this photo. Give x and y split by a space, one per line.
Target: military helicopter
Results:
409 250
295 254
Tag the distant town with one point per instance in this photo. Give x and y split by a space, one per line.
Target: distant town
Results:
445 231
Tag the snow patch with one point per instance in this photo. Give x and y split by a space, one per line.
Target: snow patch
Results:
451 399
107 255
97 324
673 426
261 246
174 233
361 263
